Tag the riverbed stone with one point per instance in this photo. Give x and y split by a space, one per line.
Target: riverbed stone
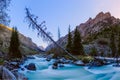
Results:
55 65
79 63
30 57
31 66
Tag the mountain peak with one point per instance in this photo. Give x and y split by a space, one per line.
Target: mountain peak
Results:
92 26
103 15
100 14
99 17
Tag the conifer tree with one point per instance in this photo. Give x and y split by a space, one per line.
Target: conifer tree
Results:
46 36
59 35
14 51
112 43
77 45
4 17
119 44
69 41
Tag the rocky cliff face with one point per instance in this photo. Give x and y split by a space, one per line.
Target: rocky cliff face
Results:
101 21
27 46
91 27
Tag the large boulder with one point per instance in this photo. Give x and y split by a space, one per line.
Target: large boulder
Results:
6 74
31 66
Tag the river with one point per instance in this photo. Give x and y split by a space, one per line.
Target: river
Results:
69 71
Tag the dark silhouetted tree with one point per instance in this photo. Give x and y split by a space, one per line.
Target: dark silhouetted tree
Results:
119 44
59 35
69 41
14 51
93 52
77 45
4 18
112 43
33 23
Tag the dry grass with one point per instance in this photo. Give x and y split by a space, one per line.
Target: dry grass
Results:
3 26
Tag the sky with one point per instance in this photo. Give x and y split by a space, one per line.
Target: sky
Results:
58 13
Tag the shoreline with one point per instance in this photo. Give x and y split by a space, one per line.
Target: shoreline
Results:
16 64
66 68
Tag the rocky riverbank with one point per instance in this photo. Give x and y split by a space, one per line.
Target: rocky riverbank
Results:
9 70
6 74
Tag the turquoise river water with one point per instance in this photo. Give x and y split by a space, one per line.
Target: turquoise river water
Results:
69 72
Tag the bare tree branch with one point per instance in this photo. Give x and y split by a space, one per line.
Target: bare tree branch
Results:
32 21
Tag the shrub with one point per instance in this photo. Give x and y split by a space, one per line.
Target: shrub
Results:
1 61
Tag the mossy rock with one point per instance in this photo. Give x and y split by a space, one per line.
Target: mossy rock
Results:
85 59
1 61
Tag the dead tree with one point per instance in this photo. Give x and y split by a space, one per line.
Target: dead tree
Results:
32 21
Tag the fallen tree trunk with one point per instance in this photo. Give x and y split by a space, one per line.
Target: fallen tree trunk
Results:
33 23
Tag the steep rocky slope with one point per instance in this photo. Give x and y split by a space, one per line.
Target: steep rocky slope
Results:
90 29
99 23
26 47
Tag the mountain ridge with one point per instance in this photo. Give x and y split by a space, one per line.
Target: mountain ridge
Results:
90 28
26 44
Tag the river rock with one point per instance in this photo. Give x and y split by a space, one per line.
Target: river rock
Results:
11 65
55 65
15 64
1 54
31 66
79 63
22 69
30 57
6 74
95 63
19 76
64 61
0 73
116 65
49 57
61 65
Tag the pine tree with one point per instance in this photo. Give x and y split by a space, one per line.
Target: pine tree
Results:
69 41
112 43
93 52
59 35
119 45
77 45
14 51
4 17
32 21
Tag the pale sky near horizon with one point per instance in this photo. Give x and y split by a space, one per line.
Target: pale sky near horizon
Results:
58 13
